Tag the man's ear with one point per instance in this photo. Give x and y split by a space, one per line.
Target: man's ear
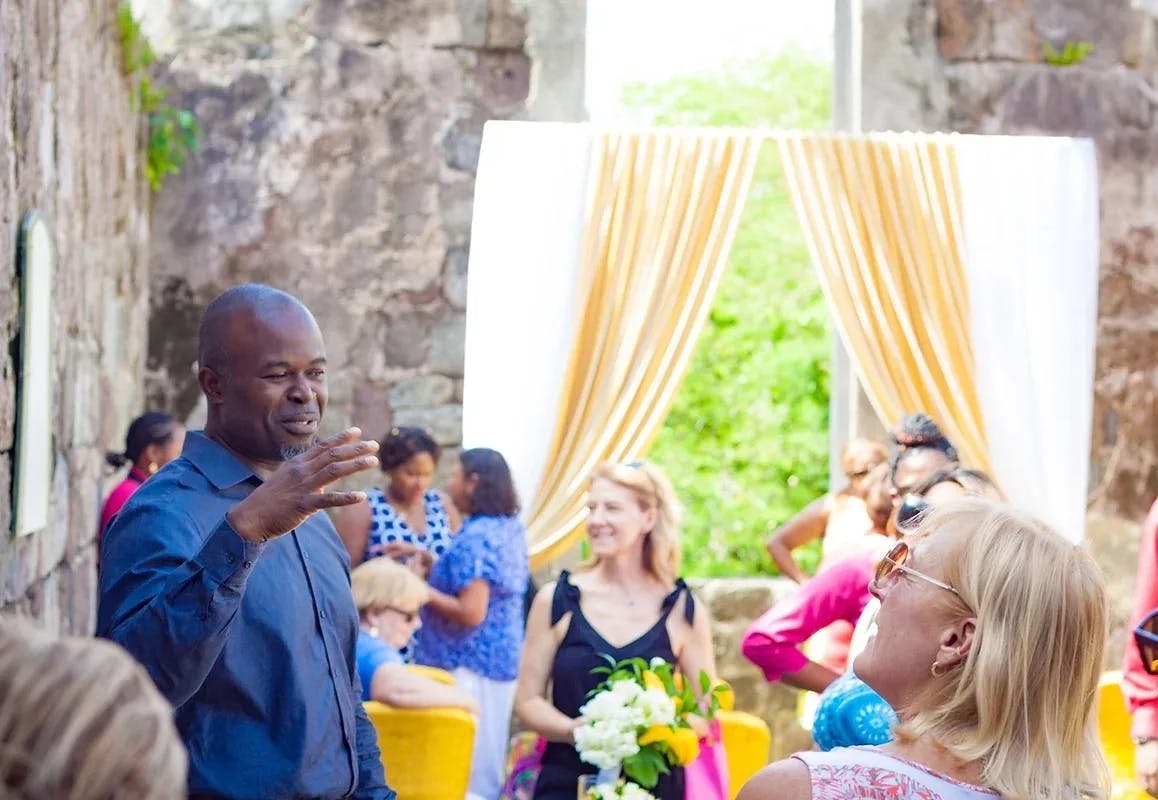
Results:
212 385
956 642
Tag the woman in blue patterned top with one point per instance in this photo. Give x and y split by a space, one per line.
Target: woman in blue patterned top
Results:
405 519
473 622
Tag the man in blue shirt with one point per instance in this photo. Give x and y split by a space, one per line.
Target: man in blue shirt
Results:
221 577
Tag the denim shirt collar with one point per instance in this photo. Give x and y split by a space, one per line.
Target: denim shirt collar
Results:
219 466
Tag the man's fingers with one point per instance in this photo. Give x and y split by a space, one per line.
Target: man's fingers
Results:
336 499
328 472
322 447
348 452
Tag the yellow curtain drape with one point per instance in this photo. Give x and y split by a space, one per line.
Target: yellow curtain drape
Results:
662 212
882 217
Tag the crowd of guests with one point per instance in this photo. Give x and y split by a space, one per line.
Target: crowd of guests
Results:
957 637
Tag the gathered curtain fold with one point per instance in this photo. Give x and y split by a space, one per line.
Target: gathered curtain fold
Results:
662 212
882 218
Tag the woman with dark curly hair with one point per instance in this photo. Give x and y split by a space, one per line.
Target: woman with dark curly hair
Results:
406 518
473 621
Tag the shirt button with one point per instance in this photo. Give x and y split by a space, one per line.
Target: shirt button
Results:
321 615
230 558
248 564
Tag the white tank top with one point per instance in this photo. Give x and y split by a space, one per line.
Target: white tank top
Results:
867 773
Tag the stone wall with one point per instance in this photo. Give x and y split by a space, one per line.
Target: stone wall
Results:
69 147
978 66
341 141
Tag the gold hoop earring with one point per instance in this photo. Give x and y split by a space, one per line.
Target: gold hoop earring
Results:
938 670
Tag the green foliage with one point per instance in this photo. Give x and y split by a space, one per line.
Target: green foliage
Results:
1072 52
172 132
746 442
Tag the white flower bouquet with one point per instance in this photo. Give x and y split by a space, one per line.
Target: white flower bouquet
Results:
636 722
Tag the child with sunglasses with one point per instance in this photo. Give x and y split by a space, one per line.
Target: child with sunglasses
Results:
388 596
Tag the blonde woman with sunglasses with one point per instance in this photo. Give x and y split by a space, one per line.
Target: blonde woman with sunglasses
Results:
388 597
989 647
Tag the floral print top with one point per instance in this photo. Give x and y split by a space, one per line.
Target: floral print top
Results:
865 773
387 526
493 549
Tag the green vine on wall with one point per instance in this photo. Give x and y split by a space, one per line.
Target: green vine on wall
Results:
1072 52
172 132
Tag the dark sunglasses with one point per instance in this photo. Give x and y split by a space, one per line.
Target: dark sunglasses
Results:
1146 637
909 512
894 562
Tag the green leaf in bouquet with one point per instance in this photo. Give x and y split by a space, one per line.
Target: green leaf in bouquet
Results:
646 766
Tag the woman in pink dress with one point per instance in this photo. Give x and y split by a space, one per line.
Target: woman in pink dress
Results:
154 439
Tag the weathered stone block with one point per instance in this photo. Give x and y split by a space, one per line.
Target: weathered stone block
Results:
408 339
448 345
503 79
744 598
964 28
444 422
1012 33
454 277
425 390
506 27
371 410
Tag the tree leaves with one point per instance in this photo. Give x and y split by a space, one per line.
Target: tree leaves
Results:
746 441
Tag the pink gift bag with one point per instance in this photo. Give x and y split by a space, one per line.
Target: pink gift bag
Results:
706 778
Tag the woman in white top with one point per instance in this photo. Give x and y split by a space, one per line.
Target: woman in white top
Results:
989 646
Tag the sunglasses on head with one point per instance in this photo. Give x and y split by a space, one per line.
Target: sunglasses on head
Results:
1146 638
909 512
889 567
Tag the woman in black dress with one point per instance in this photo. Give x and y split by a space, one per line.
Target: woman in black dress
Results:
627 601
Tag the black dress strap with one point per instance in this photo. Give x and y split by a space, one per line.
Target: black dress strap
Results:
689 604
566 597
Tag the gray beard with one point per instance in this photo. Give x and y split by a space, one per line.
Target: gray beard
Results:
288 452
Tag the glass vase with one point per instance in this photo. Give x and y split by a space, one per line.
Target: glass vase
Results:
604 777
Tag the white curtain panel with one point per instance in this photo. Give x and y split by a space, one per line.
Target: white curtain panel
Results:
1030 213
529 206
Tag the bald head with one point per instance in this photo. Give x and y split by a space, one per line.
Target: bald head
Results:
263 373
241 307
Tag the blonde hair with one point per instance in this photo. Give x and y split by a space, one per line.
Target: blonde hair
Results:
380 582
1022 703
80 720
652 490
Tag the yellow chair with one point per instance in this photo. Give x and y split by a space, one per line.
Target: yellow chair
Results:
426 751
1114 734
746 742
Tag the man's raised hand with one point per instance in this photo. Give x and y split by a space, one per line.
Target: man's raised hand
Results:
298 488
